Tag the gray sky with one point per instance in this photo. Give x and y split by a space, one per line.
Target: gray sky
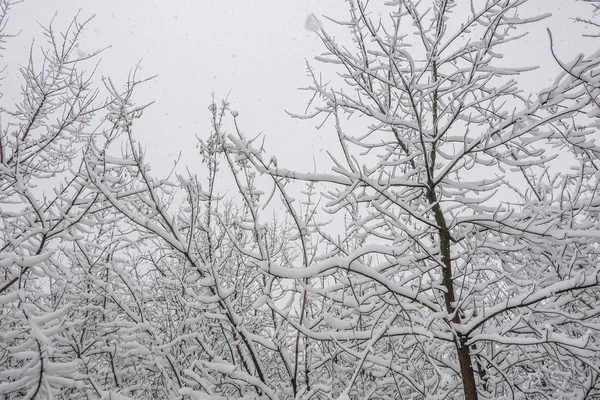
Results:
254 50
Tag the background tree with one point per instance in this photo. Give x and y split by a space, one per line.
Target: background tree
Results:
198 295
61 247
119 284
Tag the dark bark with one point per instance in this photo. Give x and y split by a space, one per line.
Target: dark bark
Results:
467 371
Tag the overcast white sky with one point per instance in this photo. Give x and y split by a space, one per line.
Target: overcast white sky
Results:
254 50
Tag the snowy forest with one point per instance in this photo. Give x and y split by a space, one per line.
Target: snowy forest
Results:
450 248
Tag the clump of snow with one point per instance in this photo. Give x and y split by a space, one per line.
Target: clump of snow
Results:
343 396
312 23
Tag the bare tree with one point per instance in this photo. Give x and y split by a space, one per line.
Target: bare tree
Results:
204 300
476 205
54 241
114 282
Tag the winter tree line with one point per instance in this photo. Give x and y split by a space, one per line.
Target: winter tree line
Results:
450 250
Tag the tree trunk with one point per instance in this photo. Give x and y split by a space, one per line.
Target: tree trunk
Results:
464 355
466 370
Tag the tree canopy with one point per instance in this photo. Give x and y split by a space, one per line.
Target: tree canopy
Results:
450 250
